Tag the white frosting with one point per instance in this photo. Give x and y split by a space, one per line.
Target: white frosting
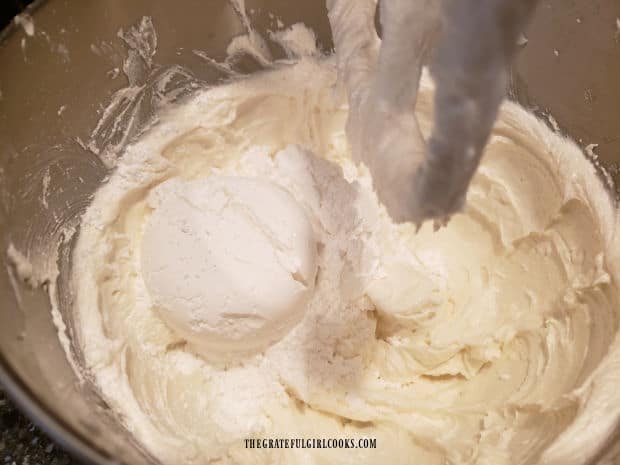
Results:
228 261
493 340
22 265
26 22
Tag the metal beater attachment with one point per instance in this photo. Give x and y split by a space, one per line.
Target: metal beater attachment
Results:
476 41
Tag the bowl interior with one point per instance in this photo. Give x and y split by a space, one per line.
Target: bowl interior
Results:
55 148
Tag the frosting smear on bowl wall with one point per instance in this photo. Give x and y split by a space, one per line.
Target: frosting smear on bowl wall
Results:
237 277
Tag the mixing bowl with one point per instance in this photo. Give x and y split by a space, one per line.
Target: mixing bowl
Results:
58 135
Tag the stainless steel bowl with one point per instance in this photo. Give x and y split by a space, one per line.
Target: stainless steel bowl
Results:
54 85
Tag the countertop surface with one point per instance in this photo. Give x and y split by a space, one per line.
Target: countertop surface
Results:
22 443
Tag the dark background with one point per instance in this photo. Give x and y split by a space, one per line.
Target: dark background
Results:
9 8
22 443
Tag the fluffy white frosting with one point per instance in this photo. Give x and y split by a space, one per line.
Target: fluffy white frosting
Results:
493 340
